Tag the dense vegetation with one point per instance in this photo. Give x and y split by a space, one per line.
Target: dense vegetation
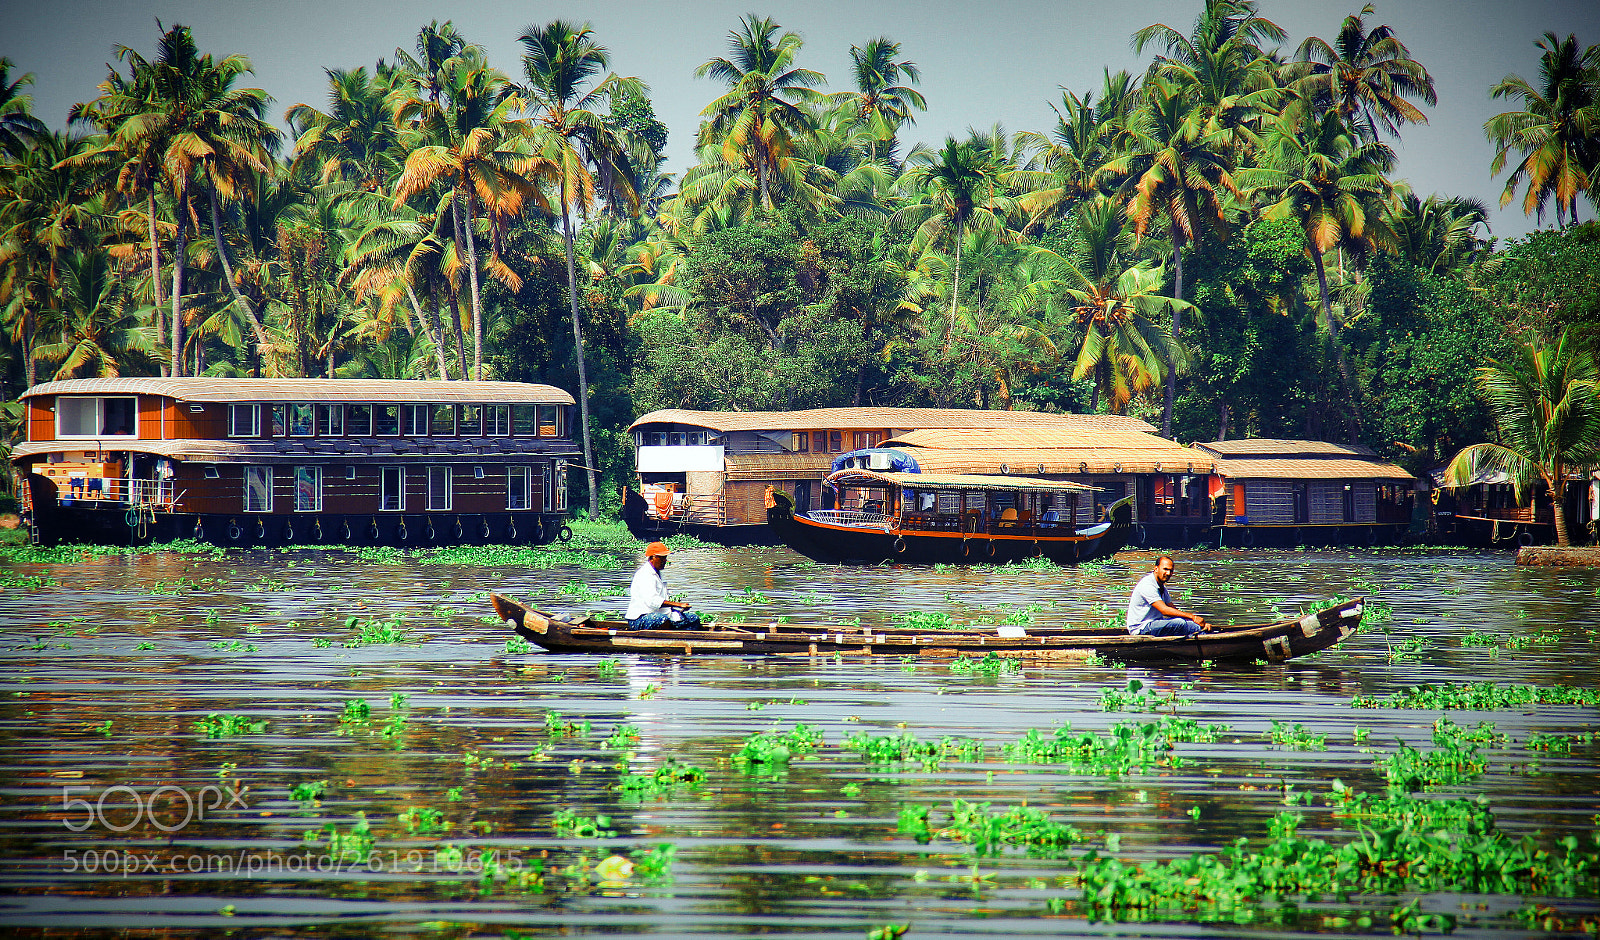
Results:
1221 244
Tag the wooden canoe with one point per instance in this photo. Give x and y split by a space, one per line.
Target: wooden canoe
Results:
1274 642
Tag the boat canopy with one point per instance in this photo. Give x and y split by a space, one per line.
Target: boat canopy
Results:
884 459
953 481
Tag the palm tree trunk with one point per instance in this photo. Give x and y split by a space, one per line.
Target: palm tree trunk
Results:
180 246
955 294
27 346
577 345
1556 484
1222 421
461 340
464 224
1338 347
227 272
433 332
155 272
1171 389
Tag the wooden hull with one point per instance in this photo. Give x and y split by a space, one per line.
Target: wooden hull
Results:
1269 642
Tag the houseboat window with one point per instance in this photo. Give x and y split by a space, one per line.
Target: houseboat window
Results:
393 489
414 420
471 424
307 489
497 419
560 485
835 442
330 420
525 420
301 416
386 420
212 473
257 489
438 489
444 420
280 420
358 420
519 485
865 439
949 503
96 417
802 443
549 421
244 420
349 473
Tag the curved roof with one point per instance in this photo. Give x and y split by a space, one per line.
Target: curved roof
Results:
864 418
1277 447
962 481
1056 450
300 451
400 391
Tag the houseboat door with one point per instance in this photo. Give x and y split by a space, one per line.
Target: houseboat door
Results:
802 496
546 489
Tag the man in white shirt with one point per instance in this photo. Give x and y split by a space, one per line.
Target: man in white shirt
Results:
1151 611
648 605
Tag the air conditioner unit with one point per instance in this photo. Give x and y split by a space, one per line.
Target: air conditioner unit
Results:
878 460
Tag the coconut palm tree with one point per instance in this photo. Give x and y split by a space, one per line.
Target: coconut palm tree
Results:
356 139
1546 406
759 117
101 332
881 104
1065 169
18 128
963 186
1178 166
395 254
1437 234
1364 76
1557 131
590 159
1221 66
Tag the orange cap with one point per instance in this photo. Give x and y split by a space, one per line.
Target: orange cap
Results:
654 549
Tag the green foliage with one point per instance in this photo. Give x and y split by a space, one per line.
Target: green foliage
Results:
1479 696
226 726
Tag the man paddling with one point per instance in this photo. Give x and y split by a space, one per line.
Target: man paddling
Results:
1151 611
648 605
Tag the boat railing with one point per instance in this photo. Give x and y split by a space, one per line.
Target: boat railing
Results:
850 517
105 490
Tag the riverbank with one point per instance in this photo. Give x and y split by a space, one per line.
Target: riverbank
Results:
1587 556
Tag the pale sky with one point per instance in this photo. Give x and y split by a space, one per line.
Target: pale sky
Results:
982 63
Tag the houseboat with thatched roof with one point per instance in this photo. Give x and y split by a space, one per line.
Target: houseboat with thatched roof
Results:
706 473
263 462
1287 493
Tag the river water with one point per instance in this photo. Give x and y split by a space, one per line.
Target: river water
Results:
159 711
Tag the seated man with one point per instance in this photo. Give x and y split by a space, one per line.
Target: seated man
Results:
648 606
1150 609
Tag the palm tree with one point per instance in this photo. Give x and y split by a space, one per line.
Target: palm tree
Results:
961 187
1437 234
1364 76
101 331
173 115
590 159
1546 404
1178 167
356 140
1220 65
477 149
1323 177
881 104
1064 170
18 128
397 253
1557 132
758 119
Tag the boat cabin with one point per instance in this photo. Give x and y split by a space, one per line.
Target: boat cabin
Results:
274 461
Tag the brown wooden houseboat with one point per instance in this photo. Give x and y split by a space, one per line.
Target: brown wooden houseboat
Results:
281 461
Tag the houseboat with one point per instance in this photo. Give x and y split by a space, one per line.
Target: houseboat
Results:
1486 512
706 473
265 462
909 517
1289 493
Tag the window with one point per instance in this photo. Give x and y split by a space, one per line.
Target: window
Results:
330 420
519 487
386 420
835 442
279 419
549 421
307 489
438 489
802 443
349 473
471 423
244 420
675 438
301 417
358 420
560 486
393 497
257 489
525 420
497 420
819 441
212 473
414 420
96 417
444 420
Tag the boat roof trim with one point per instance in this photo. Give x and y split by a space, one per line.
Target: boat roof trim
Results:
243 391
961 481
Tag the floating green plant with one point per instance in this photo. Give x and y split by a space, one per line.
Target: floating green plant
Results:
1479 696
225 726
663 779
1297 737
609 669
1135 699
992 664
572 825
309 791
345 845
423 820
376 631
517 644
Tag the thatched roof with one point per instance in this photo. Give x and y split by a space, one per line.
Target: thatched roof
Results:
321 390
877 419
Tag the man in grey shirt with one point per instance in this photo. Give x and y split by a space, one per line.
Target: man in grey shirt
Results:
1151 611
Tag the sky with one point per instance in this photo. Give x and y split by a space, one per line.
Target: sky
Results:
1003 62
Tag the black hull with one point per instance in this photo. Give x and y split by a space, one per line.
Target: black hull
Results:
1479 532
116 524
1351 535
649 529
1274 642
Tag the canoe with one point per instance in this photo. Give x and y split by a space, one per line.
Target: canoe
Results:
1273 642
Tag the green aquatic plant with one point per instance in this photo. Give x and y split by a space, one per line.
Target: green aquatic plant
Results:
624 737
774 748
1447 733
1410 770
355 710
376 631
308 792
992 664
226 726
1135 699
663 779
748 596
924 620
1297 737
991 832
609 669
235 646
905 748
1479 696
517 644
423 820
1559 743
345 845
574 826
581 592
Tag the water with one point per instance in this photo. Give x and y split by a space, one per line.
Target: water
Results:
108 671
